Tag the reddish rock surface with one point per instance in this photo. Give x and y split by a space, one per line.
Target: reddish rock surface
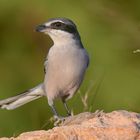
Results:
117 125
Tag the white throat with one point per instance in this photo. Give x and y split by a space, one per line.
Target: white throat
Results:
61 38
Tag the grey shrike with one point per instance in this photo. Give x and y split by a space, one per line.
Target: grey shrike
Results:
65 66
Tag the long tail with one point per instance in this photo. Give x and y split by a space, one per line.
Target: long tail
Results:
19 100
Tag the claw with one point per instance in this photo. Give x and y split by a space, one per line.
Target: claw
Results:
58 120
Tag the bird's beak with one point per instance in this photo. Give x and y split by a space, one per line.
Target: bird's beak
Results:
41 28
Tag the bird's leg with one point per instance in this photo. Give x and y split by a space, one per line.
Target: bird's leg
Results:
57 119
66 107
51 104
54 111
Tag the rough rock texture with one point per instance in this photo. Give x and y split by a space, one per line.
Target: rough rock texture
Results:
117 125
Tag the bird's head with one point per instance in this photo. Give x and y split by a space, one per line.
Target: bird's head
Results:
60 30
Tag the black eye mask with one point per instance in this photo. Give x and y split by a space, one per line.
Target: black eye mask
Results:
64 27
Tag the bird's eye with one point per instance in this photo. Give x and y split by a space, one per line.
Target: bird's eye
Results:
57 24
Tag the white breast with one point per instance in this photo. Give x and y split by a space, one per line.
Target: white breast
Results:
65 69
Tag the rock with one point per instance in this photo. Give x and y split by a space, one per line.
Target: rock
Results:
117 125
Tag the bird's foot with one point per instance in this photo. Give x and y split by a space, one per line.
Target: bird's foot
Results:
58 120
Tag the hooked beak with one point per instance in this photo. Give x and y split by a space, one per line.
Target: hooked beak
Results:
41 28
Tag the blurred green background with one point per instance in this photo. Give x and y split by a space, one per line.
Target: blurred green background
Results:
110 31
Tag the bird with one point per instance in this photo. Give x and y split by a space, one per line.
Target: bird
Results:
65 66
